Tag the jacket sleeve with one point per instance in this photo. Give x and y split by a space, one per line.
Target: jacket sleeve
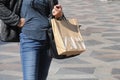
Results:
7 15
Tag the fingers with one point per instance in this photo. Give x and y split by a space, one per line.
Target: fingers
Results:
58 7
22 22
57 11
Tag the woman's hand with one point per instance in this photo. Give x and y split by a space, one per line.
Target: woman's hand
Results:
21 23
57 11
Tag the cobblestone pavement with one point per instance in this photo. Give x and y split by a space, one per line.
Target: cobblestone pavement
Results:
100 22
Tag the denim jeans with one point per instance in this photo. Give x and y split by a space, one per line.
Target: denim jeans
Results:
34 58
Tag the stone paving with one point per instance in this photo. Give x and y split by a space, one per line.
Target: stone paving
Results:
100 22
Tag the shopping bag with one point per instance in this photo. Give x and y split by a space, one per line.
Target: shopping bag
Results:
65 38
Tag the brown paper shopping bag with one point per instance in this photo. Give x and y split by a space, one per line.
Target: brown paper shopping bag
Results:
67 38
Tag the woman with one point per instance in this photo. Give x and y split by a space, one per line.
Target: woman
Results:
33 38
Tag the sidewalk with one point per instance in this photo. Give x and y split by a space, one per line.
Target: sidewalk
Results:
101 31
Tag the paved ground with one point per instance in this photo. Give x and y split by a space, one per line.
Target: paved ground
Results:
101 31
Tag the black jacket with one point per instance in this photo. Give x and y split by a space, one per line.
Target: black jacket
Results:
10 11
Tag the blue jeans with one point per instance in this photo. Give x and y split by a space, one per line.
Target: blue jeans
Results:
34 58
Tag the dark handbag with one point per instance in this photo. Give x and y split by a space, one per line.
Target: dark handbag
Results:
8 33
11 33
52 47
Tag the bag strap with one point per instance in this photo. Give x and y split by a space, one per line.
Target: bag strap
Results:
51 5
